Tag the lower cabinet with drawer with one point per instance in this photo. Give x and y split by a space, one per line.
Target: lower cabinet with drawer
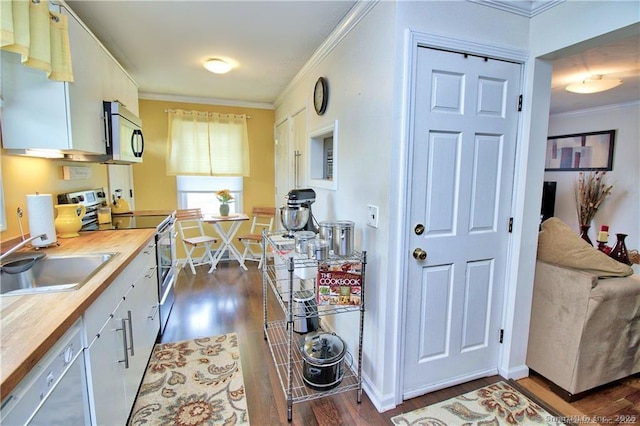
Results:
122 326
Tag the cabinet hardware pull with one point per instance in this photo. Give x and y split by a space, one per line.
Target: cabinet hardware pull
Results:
153 313
151 271
124 342
130 331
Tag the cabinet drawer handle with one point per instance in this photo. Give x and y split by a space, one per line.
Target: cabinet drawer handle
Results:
124 343
130 331
154 312
151 271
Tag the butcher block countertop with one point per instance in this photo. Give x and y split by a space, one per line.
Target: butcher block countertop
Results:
31 324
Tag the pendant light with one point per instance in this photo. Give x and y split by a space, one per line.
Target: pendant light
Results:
594 84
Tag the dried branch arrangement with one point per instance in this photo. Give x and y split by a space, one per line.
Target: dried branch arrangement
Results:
590 190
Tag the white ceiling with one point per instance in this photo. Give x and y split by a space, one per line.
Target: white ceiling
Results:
618 59
163 44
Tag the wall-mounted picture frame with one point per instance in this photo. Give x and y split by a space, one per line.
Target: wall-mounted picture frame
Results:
580 152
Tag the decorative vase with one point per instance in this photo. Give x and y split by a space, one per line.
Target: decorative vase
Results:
224 209
584 233
69 219
619 251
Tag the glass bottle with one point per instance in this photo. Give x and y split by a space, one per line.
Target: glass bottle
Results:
619 251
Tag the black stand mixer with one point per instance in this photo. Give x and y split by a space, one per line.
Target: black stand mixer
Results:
297 215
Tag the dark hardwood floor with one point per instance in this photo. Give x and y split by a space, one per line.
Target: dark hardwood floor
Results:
230 300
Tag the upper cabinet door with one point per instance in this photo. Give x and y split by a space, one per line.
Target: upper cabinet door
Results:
39 113
85 93
117 85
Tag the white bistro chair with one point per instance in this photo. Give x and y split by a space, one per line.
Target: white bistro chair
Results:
263 218
189 223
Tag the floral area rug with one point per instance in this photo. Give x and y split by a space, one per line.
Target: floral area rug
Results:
193 382
495 404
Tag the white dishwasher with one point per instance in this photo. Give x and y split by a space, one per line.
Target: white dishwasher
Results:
54 392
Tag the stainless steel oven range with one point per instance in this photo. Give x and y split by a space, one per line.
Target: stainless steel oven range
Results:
165 239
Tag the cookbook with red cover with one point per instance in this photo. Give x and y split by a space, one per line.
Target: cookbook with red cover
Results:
339 284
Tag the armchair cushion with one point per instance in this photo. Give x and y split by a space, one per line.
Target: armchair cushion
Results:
558 244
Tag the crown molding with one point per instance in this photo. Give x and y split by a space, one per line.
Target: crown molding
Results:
202 100
600 109
522 8
349 22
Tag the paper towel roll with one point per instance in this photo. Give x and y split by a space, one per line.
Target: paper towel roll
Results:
40 211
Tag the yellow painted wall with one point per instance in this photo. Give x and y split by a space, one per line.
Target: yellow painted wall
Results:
27 175
154 190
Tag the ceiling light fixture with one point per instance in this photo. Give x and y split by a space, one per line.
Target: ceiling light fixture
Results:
217 66
594 84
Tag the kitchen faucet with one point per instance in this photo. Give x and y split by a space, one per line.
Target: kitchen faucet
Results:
22 244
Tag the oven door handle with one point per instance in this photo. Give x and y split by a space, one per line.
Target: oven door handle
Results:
168 289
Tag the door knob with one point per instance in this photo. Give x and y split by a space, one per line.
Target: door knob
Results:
419 254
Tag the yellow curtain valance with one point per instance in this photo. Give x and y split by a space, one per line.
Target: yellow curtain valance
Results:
207 144
39 35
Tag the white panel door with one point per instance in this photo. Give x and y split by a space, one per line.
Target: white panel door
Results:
284 163
464 139
300 154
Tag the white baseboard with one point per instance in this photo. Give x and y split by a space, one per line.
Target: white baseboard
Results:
380 401
516 373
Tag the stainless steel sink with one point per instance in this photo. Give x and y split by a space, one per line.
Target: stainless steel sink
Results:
54 273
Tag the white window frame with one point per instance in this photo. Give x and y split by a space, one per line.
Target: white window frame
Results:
199 192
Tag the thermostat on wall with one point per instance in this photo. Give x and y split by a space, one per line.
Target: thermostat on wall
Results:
76 172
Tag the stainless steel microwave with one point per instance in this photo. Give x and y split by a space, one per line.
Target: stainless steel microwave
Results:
123 137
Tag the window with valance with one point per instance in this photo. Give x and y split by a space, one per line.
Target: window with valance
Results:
207 144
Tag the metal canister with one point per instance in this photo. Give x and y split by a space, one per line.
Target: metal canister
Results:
305 312
302 239
318 250
343 237
325 230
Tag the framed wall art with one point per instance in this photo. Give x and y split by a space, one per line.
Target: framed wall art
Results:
580 152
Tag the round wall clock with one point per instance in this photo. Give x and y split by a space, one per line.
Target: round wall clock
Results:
320 96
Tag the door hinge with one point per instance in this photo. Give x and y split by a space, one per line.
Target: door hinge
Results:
501 335
510 225
520 103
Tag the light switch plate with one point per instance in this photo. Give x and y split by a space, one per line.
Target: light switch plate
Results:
372 216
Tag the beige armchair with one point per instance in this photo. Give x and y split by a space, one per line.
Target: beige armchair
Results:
585 330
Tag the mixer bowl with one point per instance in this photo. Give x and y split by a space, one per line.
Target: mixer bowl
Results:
294 219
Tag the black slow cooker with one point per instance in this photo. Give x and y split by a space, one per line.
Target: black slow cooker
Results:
323 355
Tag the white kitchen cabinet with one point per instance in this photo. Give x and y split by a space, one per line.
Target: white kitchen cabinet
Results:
117 85
122 326
39 113
43 114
